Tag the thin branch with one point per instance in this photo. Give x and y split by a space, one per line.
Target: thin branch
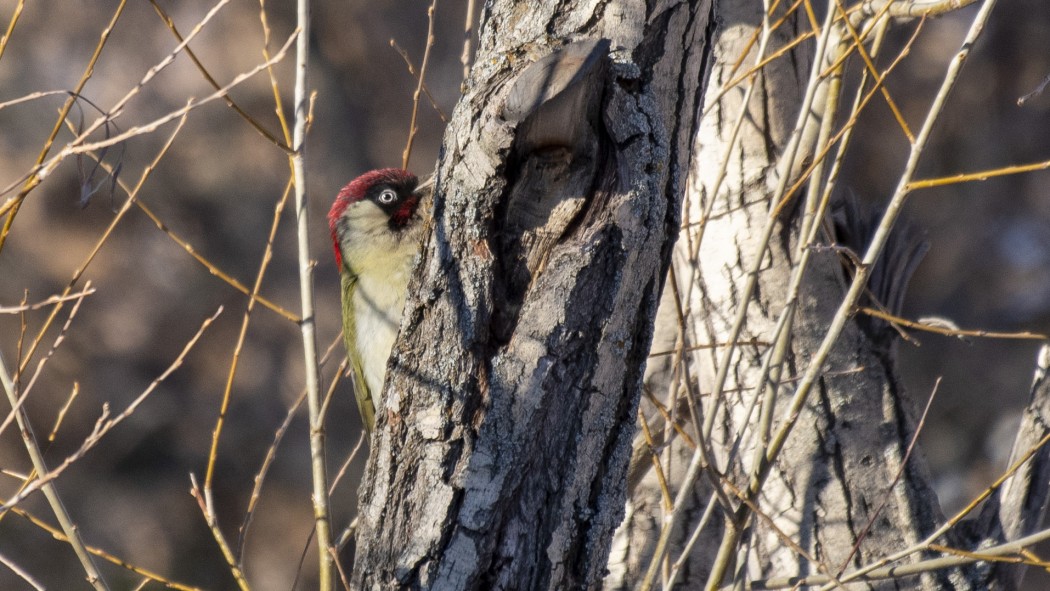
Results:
330 394
468 36
34 96
977 176
260 476
1036 92
190 250
98 244
870 67
306 292
216 532
227 392
925 544
278 105
78 145
49 301
893 484
149 575
207 76
955 558
951 332
419 87
14 21
752 342
725 360
12 206
213 269
346 464
879 240
271 454
334 552
782 196
18 571
62 412
50 491
922 8
105 424
412 70
25 390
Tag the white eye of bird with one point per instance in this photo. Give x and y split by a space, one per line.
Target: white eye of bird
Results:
387 197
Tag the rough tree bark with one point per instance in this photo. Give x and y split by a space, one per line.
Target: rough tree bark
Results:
844 492
499 457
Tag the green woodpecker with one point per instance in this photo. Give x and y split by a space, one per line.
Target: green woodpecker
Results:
376 226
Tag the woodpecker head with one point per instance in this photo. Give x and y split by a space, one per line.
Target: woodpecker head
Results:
375 216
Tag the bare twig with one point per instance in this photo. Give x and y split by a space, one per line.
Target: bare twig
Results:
149 575
330 394
25 390
62 412
893 484
11 26
951 332
271 454
879 240
49 301
260 476
725 360
216 532
956 558
105 424
978 176
334 552
347 533
213 269
241 337
34 96
98 244
50 491
412 70
419 87
306 292
1038 91
186 246
11 206
81 146
468 36
921 8
346 464
207 76
278 105
1021 503
21 573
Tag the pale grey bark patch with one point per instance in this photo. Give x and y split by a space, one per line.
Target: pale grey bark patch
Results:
844 492
1018 508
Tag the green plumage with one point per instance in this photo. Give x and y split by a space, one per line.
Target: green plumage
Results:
376 228
365 404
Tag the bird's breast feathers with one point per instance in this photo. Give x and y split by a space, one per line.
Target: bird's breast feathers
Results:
378 303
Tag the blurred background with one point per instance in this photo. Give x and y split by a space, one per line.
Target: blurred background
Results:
988 266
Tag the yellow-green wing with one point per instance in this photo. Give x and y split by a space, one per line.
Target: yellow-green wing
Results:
365 405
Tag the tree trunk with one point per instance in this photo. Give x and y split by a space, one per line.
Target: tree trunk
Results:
499 455
847 489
